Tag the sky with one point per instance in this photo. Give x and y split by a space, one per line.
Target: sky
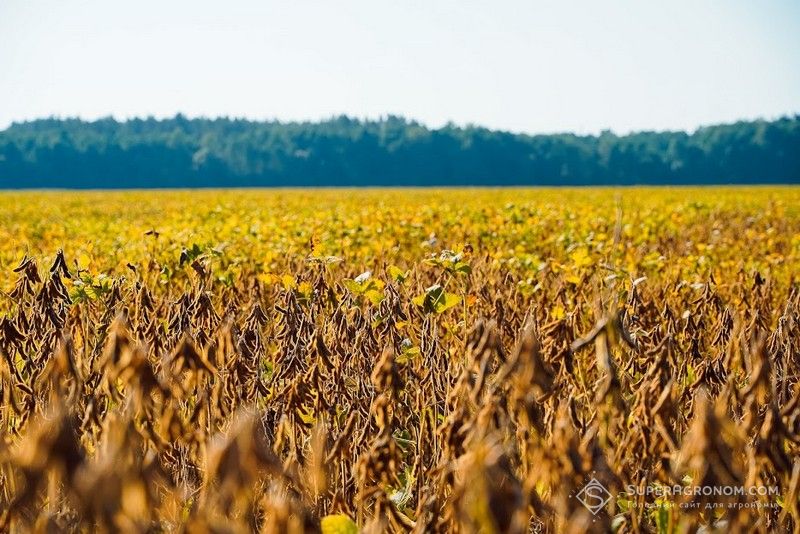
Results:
524 66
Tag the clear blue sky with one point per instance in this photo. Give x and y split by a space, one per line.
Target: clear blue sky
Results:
532 66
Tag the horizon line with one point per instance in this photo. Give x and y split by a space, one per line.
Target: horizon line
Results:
789 115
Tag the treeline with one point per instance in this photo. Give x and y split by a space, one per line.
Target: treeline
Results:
182 152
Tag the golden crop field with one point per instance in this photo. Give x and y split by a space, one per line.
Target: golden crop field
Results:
487 360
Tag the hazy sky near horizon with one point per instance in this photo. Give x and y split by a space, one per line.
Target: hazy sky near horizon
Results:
525 66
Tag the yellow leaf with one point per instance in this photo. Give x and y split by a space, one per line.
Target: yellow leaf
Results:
307 416
267 278
580 258
338 524
397 274
374 296
84 260
288 281
305 288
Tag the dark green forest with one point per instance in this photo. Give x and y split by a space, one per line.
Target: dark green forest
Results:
182 152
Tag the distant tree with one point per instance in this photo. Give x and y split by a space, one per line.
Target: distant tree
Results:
182 152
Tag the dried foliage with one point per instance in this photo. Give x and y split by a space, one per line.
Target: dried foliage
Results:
274 386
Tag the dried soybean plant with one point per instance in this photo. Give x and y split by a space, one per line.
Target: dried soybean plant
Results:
334 403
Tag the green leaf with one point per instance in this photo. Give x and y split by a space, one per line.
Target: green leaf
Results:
661 516
437 300
462 268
